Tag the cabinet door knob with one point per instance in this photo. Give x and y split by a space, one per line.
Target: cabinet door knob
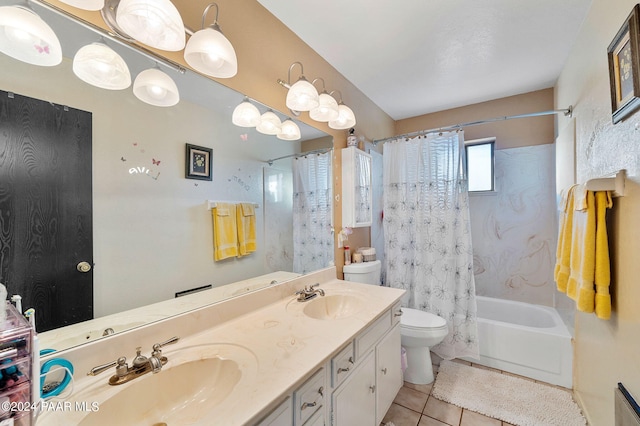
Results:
384 371
343 370
398 314
372 388
308 404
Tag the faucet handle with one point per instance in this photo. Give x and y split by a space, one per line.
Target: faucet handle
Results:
314 286
157 351
119 363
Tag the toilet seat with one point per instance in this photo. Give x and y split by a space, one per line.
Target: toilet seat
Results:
414 319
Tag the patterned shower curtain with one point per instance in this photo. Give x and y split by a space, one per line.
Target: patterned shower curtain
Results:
312 200
428 234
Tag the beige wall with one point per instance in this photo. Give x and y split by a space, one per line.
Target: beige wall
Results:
509 134
606 352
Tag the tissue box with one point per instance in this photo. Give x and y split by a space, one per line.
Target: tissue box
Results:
368 253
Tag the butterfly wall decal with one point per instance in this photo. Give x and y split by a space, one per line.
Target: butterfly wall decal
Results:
42 49
155 162
244 136
123 159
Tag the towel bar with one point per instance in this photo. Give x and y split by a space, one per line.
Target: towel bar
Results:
211 204
614 184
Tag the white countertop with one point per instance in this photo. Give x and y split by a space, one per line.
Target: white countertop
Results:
277 347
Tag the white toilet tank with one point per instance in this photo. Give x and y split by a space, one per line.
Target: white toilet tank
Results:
364 272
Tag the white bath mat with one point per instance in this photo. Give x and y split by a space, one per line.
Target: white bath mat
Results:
511 399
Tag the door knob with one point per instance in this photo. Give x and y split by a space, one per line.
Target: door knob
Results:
83 267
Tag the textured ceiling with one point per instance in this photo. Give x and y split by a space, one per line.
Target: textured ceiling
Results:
413 57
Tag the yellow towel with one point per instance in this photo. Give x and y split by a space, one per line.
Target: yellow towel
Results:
563 252
590 269
583 255
225 237
246 222
602 266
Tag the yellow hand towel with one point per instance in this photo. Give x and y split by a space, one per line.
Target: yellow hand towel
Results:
225 235
583 256
563 253
602 266
246 222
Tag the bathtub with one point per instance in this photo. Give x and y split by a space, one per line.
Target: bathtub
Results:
524 339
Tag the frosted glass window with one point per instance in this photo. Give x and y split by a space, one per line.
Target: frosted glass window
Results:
480 166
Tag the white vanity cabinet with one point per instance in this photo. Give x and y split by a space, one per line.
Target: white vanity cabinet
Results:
364 394
281 416
309 398
357 207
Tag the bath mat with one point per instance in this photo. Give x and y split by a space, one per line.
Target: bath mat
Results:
511 399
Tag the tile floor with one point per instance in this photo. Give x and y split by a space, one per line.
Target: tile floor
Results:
415 406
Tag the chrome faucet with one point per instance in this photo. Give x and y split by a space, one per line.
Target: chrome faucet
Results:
309 293
139 366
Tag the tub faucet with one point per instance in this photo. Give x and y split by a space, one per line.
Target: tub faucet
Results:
140 365
309 293
108 331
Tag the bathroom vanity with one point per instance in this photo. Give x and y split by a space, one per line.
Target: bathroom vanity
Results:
262 358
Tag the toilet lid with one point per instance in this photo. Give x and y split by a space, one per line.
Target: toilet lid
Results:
420 319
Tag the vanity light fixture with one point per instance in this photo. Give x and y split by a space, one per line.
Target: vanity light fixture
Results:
327 109
26 37
246 114
156 23
156 88
289 131
210 52
346 118
100 66
85 4
302 95
269 123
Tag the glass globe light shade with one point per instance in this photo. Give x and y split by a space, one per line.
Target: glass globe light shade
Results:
327 109
100 66
289 131
156 23
26 37
211 53
246 115
302 96
345 120
156 88
85 4
269 123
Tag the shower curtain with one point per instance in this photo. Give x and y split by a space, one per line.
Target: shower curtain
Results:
428 234
312 200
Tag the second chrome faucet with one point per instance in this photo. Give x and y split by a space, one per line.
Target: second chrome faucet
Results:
309 292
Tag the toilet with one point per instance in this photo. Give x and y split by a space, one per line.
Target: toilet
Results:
419 330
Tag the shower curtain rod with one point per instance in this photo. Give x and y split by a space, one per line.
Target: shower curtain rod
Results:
567 112
301 154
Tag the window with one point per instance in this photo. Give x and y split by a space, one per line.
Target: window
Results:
479 154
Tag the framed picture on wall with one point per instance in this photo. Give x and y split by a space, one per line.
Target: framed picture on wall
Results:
198 163
624 69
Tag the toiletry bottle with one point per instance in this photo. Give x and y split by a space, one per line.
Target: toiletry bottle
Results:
347 255
3 303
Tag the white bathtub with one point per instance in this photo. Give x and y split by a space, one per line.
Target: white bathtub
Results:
525 339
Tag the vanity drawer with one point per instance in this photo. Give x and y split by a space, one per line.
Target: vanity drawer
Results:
342 365
372 334
396 313
309 398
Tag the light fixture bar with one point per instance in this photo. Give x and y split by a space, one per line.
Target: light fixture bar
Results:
101 32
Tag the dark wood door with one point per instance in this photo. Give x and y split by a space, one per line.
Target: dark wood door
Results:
45 208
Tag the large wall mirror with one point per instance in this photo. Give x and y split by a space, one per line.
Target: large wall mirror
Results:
152 232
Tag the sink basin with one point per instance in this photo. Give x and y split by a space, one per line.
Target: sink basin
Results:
333 307
187 393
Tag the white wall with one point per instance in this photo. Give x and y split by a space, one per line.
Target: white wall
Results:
606 352
153 237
